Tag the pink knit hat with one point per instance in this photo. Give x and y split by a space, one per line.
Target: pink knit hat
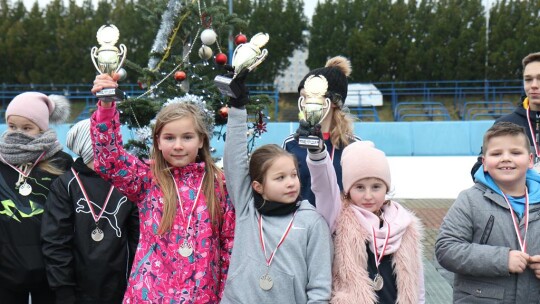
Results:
39 108
362 160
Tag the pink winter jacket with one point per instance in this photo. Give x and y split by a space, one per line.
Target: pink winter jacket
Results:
159 273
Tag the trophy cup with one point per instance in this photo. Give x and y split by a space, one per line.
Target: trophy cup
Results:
109 59
314 108
246 56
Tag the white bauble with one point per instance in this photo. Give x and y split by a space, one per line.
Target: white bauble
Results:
205 52
208 36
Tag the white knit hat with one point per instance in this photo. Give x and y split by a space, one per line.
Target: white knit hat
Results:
362 160
79 141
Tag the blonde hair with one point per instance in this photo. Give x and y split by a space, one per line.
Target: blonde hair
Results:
48 166
160 167
342 130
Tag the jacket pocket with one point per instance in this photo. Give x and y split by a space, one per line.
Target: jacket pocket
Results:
472 291
487 230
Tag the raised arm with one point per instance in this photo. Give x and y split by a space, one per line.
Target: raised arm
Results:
325 187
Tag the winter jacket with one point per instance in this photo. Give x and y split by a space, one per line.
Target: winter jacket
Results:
519 117
353 268
301 268
21 262
291 145
474 242
159 273
80 269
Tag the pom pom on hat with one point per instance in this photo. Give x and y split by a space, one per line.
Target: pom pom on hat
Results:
39 108
362 160
336 71
79 140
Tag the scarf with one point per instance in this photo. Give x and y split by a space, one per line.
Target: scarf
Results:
19 148
273 208
395 215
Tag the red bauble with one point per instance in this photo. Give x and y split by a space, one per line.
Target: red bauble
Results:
221 59
224 112
240 38
180 75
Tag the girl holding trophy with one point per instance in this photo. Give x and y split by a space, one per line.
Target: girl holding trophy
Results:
336 124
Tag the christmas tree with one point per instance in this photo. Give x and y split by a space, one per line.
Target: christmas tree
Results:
187 53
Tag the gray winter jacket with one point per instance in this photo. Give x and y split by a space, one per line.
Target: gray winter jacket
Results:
474 241
302 267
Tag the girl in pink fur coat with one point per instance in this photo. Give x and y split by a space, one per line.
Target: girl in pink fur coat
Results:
378 251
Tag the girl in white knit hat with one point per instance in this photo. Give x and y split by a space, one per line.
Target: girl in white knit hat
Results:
30 159
378 255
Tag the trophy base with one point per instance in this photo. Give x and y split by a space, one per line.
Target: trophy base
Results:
110 95
310 142
227 87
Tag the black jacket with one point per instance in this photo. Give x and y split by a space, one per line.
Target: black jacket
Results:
80 269
519 117
291 146
21 262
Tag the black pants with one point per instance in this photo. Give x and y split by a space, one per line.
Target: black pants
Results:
39 296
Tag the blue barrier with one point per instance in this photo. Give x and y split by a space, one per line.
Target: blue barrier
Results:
418 138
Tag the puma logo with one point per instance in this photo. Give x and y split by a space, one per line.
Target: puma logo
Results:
82 207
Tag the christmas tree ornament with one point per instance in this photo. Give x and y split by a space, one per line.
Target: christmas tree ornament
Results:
224 112
205 52
180 76
208 36
123 74
240 39
221 59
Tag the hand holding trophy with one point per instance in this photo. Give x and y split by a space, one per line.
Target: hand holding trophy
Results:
246 56
109 59
314 108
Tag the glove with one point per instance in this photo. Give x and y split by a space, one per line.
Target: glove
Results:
239 81
306 130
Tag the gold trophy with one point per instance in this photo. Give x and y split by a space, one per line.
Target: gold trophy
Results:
314 108
109 59
246 56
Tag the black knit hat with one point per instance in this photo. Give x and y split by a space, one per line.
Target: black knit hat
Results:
336 71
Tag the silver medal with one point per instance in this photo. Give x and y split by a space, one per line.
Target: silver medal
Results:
97 234
378 282
25 189
265 282
185 250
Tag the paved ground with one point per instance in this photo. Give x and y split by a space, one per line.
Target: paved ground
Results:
438 281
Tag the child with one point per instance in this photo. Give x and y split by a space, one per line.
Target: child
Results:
489 237
187 220
337 126
378 250
89 230
30 159
282 251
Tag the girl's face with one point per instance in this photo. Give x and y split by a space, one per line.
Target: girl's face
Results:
179 142
20 124
281 183
368 193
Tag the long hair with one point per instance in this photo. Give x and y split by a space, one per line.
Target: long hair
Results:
342 131
160 168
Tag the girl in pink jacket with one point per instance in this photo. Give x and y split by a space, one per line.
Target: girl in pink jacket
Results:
378 250
186 218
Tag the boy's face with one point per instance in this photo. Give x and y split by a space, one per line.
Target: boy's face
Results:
531 84
507 159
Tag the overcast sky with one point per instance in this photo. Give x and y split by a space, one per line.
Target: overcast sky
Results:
309 5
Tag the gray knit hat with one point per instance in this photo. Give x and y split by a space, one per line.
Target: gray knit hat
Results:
79 141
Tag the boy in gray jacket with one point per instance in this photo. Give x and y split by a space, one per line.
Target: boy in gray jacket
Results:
489 237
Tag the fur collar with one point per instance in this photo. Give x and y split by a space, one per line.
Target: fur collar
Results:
351 282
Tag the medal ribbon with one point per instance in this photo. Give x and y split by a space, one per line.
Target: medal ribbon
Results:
281 240
182 205
522 240
25 174
534 135
96 218
378 258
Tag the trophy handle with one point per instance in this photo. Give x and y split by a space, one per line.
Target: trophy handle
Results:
93 55
327 107
260 59
123 53
301 103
